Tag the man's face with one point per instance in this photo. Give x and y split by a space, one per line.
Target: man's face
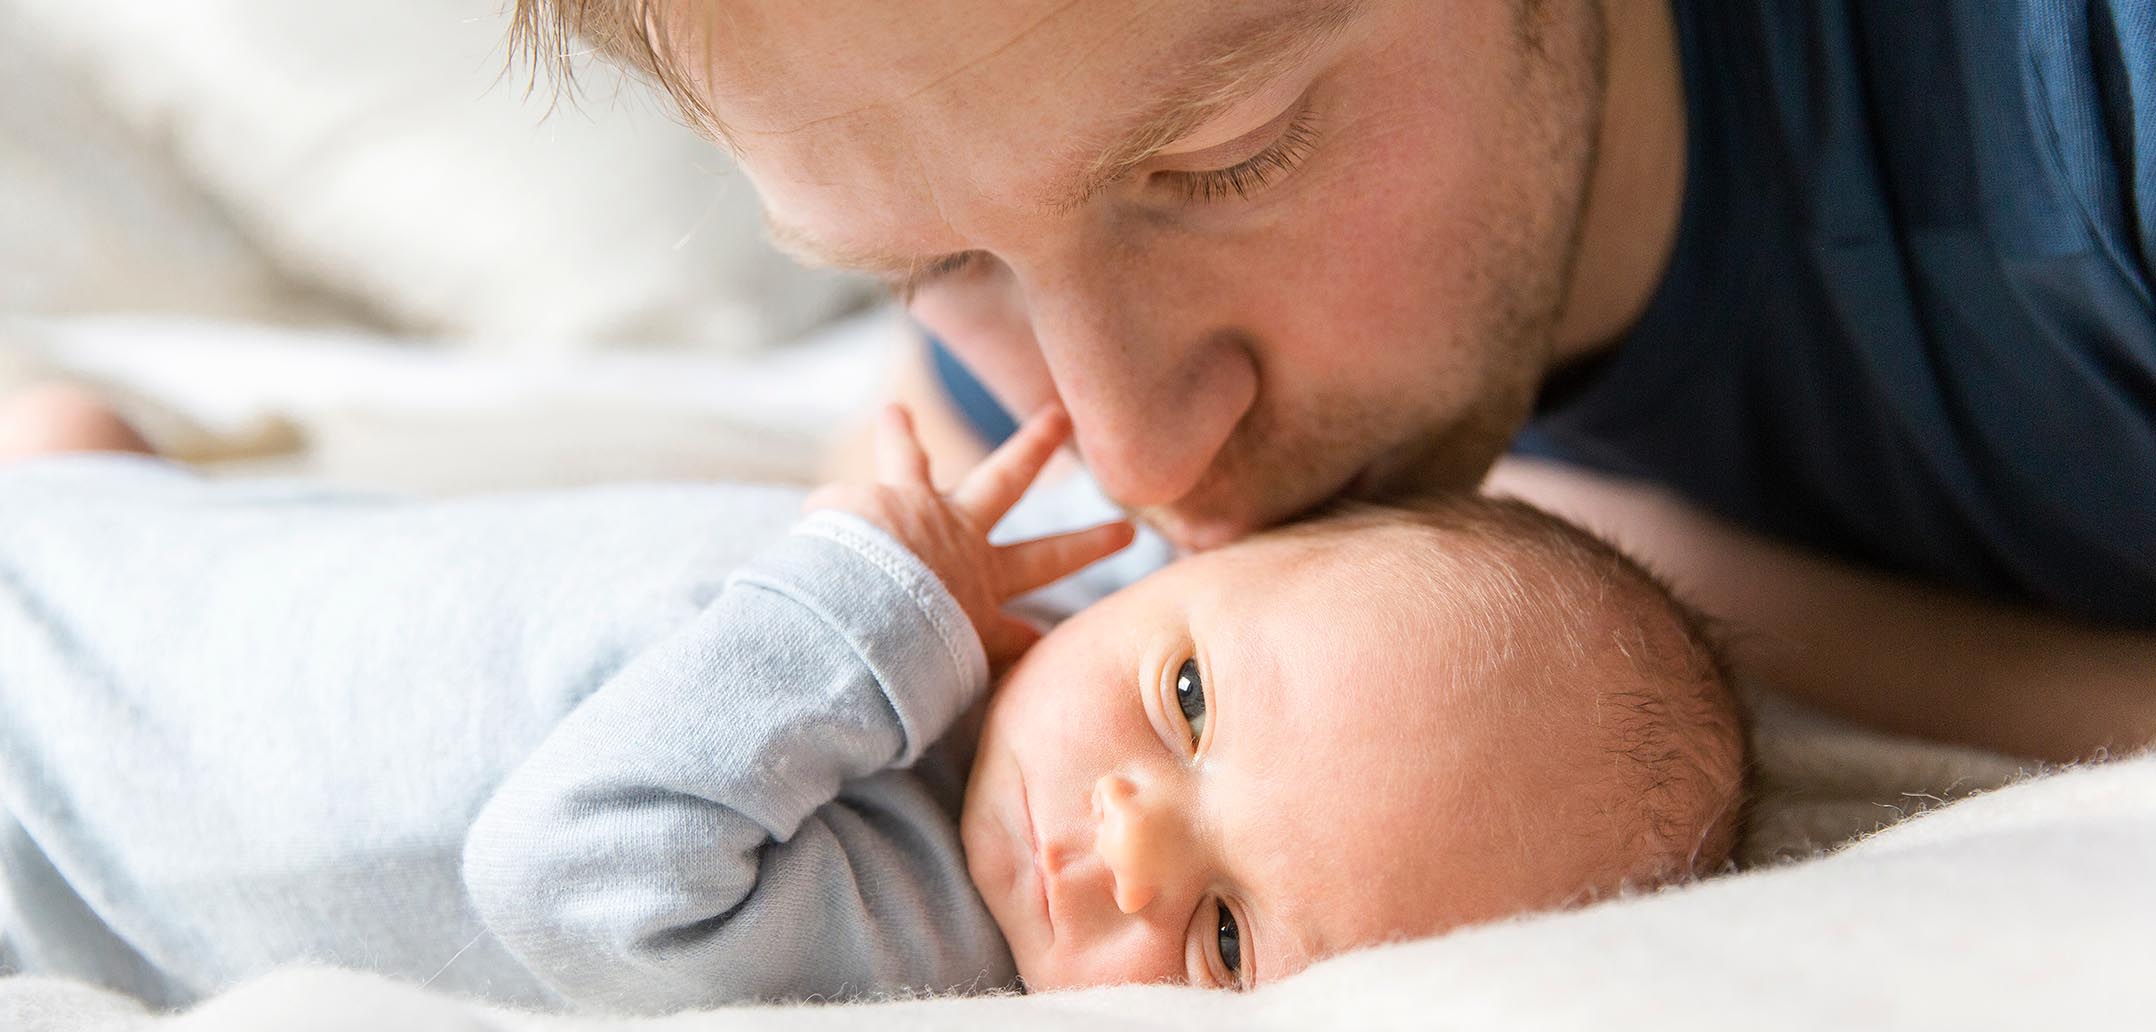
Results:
1264 252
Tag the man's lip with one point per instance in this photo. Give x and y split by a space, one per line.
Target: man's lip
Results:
1033 851
1365 484
1188 535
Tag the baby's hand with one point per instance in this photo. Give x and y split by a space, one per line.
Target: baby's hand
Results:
950 532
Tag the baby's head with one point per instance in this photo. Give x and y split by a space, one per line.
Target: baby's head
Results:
1376 725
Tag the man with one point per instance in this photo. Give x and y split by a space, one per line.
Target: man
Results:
1838 314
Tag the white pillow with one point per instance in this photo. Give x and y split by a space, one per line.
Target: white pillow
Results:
377 149
93 218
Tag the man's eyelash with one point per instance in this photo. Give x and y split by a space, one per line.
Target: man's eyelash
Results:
1240 180
1254 174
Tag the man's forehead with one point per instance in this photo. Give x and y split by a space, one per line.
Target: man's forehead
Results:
780 66
854 128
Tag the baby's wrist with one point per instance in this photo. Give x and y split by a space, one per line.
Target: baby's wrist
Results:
866 585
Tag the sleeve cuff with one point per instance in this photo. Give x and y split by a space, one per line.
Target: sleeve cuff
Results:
917 642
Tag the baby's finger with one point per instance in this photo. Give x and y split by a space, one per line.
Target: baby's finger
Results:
1030 564
996 484
899 458
829 496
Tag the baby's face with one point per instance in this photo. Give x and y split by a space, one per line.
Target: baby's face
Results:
1255 758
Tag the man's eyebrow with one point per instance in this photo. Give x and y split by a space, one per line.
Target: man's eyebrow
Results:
807 249
1221 70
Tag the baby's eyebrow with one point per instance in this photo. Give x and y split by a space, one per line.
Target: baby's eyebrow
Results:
1276 924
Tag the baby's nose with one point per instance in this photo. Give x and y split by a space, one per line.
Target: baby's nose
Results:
1125 843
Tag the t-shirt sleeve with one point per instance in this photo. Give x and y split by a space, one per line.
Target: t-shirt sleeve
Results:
724 819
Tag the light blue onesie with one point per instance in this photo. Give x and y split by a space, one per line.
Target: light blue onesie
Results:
629 748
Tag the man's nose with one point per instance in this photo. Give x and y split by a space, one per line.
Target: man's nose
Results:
1153 397
1138 840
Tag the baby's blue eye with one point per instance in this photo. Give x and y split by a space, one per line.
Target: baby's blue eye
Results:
1190 698
1231 942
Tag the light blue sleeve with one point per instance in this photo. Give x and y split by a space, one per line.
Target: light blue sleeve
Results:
727 817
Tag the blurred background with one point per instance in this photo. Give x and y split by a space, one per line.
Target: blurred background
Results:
345 239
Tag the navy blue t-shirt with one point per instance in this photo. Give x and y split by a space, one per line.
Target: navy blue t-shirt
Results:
1908 320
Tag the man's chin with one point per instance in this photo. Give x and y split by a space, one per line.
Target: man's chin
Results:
1188 534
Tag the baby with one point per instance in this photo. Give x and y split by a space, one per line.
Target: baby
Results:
645 747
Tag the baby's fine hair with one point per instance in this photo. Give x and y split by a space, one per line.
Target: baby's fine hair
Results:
1582 615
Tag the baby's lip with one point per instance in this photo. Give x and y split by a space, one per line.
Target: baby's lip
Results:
1033 852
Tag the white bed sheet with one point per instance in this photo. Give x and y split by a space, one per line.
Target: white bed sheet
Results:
391 413
226 373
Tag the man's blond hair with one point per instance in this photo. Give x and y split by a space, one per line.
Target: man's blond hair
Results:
549 36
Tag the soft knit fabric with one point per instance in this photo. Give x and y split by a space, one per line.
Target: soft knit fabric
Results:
636 748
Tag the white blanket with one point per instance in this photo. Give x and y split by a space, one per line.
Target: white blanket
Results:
2028 907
